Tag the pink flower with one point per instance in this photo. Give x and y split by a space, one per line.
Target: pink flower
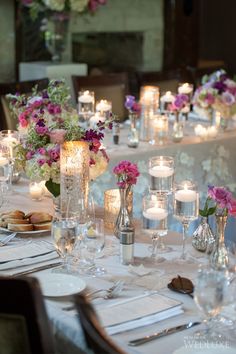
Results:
232 209
29 155
57 136
54 153
41 162
41 130
127 173
42 151
221 195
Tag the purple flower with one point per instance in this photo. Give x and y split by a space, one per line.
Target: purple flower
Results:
228 98
220 86
129 101
45 94
41 130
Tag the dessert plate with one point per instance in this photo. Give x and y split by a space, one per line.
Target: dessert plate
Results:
55 284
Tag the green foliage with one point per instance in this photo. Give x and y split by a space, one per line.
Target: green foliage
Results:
53 187
208 209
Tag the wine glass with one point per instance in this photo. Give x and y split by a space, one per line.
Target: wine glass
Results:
155 214
161 170
209 294
186 206
65 234
10 138
94 242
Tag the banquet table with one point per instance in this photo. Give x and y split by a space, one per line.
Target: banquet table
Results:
154 277
210 161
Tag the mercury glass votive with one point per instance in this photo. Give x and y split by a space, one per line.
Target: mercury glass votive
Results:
36 190
74 172
112 206
158 130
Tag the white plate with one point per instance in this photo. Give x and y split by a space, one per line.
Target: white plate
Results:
25 232
54 284
210 350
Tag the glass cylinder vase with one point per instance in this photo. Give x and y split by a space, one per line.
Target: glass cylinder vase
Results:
124 219
219 259
133 137
74 168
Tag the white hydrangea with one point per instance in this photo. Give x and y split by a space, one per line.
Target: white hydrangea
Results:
78 5
55 5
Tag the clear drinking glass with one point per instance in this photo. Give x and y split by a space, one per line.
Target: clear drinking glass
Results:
65 235
161 170
186 206
155 212
94 242
85 106
10 138
209 294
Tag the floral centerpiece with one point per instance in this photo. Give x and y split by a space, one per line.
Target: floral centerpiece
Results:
127 174
221 203
132 105
217 92
180 104
46 119
53 6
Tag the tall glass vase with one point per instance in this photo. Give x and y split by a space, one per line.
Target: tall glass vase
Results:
133 137
56 35
219 259
124 219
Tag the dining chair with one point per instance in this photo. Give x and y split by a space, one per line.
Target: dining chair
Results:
7 121
111 86
96 338
24 326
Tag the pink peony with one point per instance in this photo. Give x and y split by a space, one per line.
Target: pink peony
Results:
127 173
221 196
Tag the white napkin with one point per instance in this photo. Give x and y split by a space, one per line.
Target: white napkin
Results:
139 270
28 261
137 312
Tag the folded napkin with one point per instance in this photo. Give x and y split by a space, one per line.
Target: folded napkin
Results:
139 270
137 312
28 261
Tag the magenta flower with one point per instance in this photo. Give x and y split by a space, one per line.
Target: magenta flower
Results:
221 196
126 173
41 162
179 102
41 151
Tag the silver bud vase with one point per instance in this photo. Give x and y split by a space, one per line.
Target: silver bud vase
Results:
124 219
219 259
203 238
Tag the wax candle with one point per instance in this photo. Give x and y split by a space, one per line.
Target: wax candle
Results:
36 191
86 97
167 97
155 213
185 88
103 106
185 195
161 171
10 141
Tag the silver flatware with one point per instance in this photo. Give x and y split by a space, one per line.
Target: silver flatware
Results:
163 333
7 239
37 269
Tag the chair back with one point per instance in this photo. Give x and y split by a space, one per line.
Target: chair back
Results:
24 326
7 121
95 336
112 87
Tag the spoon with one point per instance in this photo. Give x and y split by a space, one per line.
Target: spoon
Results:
182 285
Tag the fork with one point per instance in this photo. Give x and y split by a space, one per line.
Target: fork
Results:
7 239
114 290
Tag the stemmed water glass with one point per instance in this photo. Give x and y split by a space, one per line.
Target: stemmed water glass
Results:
155 212
186 206
94 242
10 138
209 294
65 235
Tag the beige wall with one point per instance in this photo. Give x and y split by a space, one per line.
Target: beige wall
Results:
7 41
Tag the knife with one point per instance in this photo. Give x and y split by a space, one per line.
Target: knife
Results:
37 269
163 333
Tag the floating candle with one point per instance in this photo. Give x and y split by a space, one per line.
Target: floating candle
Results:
161 171
155 213
86 97
185 195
